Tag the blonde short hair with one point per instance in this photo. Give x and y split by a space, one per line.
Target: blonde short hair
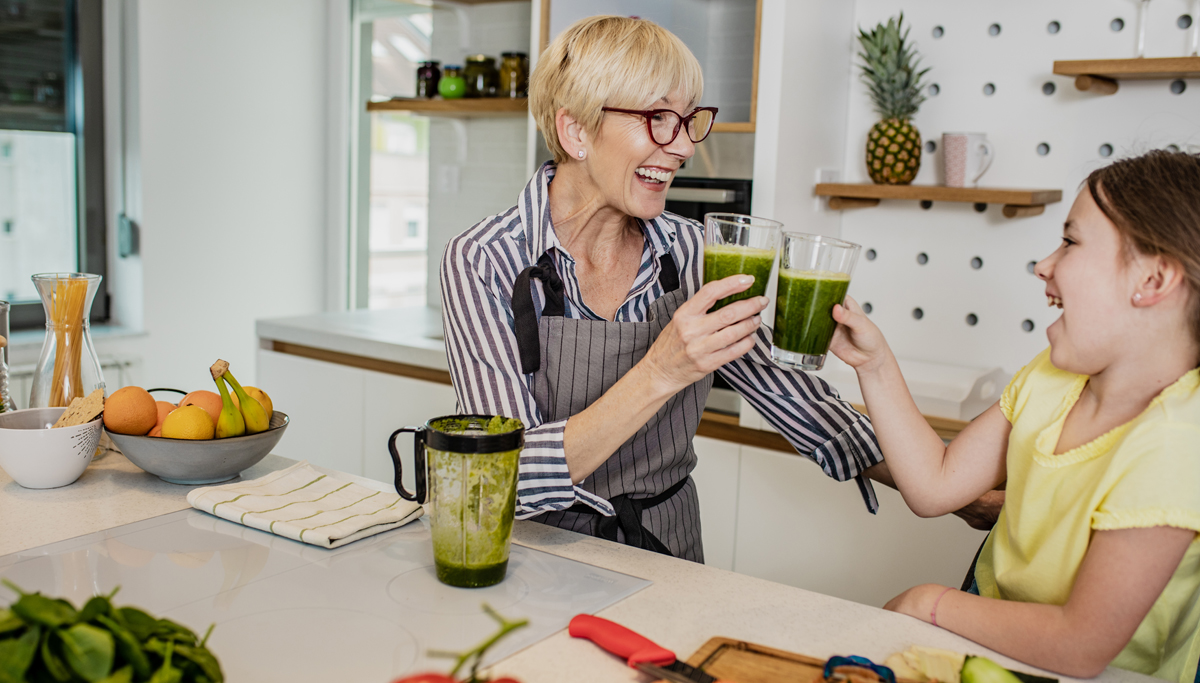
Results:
609 61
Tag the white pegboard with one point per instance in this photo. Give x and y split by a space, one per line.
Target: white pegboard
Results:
1017 118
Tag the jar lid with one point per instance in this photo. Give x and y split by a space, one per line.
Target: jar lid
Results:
480 58
513 54
454 66
431 62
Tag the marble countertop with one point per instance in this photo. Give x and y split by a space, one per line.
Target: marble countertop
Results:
402 335
687 604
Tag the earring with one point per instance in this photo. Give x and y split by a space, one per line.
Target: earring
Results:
1137 298
581 154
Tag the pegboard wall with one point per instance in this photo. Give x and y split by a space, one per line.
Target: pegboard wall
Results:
947 283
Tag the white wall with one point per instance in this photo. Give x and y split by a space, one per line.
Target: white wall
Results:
232 138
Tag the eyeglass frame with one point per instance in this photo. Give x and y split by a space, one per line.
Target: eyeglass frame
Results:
648 113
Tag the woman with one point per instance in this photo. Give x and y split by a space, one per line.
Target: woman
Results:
581 312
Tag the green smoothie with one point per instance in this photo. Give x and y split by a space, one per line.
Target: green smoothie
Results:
804 309
723 260
473 499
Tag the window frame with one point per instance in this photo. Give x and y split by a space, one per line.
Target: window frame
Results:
84 107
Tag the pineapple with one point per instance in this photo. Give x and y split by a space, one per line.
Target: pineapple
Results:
890 71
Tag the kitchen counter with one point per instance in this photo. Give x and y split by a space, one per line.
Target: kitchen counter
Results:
687 604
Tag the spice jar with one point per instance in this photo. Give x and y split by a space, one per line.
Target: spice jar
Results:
452 86
514 74
428 75
481 75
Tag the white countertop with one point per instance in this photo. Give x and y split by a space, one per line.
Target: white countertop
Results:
402 335
687 604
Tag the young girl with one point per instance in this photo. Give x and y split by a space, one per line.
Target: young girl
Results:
1093 559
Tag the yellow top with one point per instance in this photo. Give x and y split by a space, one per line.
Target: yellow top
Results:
1141 474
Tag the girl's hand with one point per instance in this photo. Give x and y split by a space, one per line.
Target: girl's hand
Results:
917 601
857 341
696 342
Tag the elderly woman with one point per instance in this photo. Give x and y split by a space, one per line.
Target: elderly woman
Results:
580 310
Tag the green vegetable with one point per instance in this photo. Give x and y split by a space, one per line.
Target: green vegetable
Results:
984 670
47 639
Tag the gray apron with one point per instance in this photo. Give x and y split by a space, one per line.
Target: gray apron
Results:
573 363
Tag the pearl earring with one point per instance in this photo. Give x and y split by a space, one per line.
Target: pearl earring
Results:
1137 298
581 154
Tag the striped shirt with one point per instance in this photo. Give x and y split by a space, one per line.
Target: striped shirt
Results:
478 270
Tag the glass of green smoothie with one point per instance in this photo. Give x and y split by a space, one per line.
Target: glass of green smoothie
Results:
470 494
814 274
736 244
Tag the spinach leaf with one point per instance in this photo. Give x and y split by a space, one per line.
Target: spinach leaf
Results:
16 654
140 624
54 664
122 675
202 658
95 607
89 651
36 608
127 647
10 622
168 673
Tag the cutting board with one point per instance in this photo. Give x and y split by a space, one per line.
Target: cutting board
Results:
743 662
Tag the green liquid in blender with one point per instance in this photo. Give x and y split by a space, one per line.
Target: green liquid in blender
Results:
723 260
804 309
474 499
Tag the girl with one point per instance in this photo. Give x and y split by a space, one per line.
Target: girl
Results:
1093 559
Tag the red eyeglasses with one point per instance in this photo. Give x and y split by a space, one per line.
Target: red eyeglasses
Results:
664 124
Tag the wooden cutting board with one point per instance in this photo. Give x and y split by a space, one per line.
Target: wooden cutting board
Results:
743 662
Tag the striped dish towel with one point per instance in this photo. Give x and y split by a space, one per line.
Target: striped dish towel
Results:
303 504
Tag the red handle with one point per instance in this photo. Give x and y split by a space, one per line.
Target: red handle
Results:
619 640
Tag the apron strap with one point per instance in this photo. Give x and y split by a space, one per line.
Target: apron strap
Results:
629 519
525 317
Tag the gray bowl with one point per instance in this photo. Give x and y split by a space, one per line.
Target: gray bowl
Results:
181 461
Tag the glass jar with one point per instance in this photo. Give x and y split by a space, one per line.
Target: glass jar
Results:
68 367
452 85
428 75
514 74
482 77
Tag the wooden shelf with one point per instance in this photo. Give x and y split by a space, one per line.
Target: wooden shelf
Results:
1017 203
1101 75
463 108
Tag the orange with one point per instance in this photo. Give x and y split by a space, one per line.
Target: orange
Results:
188 422
164 409
210 401
130 410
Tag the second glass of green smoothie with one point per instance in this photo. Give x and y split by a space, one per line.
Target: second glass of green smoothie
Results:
736 244
814 274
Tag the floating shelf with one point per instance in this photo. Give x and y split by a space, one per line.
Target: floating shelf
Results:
462 108
1017 203
1101 75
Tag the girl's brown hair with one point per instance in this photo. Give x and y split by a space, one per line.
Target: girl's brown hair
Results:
1154 200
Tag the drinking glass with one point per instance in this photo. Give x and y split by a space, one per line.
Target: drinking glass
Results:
1143 10
814 274
6 402
470 494
735 244
1194 42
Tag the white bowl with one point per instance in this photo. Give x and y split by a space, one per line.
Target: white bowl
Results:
38 457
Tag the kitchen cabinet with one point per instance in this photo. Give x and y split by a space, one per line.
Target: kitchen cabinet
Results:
716 476
341 416
797 526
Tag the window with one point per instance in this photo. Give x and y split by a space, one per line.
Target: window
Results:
394 38
51 153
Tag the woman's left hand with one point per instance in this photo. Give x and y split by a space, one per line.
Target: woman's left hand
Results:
916 601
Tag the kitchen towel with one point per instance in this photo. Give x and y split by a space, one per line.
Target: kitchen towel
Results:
303 504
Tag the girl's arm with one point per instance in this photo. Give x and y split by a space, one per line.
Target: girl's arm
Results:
934 479
1123 573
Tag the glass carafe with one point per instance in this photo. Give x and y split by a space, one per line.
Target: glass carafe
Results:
68 366
470 495
6 402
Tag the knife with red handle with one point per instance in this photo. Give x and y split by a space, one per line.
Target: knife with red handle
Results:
642 653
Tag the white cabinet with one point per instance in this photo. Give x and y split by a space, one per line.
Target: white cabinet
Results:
716 477
797 526
341 416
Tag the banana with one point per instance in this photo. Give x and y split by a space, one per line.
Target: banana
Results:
257 418
230 421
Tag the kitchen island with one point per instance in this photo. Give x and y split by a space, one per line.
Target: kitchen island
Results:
685 606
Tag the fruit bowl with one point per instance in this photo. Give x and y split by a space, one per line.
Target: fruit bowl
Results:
180 461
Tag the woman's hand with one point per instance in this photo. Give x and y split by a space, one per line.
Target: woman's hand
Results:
857 341
696 342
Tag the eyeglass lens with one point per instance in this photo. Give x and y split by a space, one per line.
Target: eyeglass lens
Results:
664 126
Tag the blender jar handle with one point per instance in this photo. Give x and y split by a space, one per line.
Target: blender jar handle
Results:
418 462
